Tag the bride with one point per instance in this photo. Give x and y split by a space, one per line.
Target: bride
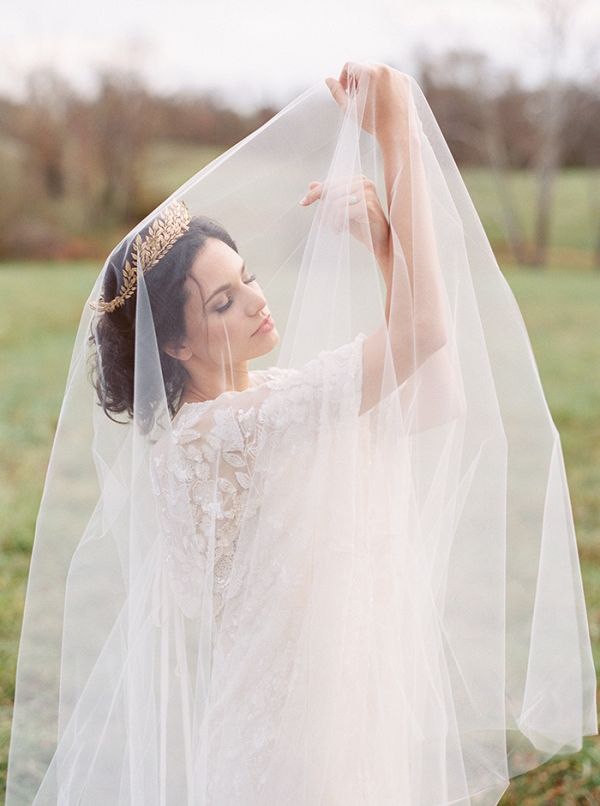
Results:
345 577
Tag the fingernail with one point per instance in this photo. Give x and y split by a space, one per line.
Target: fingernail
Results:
303 201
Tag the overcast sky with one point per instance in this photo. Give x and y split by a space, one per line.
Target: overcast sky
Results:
267 50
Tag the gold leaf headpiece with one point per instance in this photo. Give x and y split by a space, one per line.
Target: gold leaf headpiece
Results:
170 225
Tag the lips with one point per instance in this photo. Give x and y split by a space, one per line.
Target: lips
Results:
267 325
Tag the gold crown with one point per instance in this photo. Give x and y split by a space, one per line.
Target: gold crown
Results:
170 225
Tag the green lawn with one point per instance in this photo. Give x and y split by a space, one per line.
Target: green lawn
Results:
575 214
39 311
561 308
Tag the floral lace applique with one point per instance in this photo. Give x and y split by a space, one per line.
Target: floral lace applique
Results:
205 479
205 473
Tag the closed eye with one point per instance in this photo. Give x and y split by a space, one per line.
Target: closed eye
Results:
223 308
226 305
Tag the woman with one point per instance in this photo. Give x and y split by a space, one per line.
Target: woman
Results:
346 579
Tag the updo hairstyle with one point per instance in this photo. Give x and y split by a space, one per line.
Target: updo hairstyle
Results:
113 339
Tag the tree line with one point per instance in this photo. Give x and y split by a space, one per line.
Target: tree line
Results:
70 163
75 165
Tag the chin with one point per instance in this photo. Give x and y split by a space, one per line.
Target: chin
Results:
268 342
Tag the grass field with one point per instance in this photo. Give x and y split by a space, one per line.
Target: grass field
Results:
39 311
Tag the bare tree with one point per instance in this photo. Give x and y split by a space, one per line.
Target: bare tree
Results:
43 127
498 155
123 128
551 110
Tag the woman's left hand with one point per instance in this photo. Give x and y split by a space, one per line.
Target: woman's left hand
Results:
353 203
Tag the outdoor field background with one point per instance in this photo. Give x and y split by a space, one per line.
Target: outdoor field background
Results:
40 305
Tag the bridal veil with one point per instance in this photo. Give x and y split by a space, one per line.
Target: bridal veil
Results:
284 598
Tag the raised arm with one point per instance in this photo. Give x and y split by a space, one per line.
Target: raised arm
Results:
405 246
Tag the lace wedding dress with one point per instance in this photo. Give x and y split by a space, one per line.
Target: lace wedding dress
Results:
279 564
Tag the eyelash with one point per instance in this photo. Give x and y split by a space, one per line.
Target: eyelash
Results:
223 308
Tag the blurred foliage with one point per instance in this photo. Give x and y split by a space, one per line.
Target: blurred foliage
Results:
72 169
476 104
76 173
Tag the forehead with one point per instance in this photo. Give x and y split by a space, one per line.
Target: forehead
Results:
216 264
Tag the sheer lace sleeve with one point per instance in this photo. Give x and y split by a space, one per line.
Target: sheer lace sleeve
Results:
207 478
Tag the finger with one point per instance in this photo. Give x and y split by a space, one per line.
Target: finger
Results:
347 185
337 188
340 187
314 194
352 196
352 73
350 69
339 214
338 92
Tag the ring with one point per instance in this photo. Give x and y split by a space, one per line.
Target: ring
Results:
352 199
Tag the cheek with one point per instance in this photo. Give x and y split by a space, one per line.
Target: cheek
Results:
197 335
218 338
195 319
226 331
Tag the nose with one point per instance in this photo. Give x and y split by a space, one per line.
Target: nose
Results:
256 299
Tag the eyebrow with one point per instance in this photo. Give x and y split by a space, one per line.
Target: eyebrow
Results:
222 288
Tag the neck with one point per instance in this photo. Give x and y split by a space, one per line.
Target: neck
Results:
207 383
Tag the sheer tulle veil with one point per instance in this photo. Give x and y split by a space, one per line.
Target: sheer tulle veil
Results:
398 616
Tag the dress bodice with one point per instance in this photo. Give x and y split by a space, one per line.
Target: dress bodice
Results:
211 468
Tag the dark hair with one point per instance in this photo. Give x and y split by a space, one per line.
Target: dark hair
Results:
114 337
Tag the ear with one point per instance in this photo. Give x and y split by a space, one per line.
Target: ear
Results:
181 353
